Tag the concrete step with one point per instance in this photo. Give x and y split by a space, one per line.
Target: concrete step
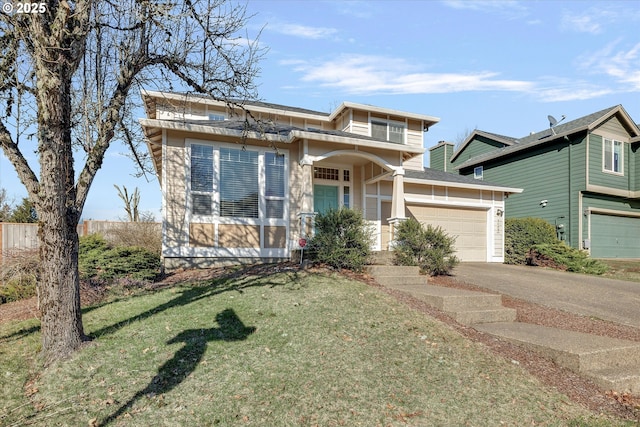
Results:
622 380
382 258
475 317
466 307
575 350
401 282
451 299
392 270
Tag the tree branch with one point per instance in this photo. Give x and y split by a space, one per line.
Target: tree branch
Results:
18 161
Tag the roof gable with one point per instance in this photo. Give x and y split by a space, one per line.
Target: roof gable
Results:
502 139
586 123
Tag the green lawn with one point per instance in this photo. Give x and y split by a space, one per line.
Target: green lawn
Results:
288 349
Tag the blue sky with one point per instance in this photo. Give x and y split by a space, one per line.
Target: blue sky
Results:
499 66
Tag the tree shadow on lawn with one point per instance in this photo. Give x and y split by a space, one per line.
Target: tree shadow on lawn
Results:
237 281
185 360
253 276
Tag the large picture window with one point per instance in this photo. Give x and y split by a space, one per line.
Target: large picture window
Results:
227 182
612 156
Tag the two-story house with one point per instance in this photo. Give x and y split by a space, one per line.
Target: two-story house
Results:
582 176
244 184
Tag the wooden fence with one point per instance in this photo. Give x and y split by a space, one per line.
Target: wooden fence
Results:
17 237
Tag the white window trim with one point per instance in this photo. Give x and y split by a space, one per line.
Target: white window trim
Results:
215 216
340 183
621 160
479 175
390 122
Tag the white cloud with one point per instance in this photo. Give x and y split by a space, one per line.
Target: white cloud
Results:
509 8
584 23
572 93
367 74
303 31
623 65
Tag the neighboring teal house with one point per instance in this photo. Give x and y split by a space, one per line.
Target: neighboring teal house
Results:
582 175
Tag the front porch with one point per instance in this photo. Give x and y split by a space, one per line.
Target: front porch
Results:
351 179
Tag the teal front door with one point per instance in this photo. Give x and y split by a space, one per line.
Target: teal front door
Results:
325 197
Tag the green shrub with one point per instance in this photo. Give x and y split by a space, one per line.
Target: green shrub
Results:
97 259
521 234
342 239
567 257
429 248
15 290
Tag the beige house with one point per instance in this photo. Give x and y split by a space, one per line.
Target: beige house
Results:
243 185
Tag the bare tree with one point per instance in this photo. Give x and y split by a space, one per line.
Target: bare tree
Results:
131 202
5 206
70 77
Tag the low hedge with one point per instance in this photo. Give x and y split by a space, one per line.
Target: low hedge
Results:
521 234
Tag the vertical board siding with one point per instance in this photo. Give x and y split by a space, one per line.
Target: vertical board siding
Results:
437 158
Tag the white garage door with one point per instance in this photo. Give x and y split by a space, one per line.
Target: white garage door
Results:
469 226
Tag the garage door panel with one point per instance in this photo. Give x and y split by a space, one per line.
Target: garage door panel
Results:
615 236
468 226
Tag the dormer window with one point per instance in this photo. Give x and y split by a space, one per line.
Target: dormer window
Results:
388 130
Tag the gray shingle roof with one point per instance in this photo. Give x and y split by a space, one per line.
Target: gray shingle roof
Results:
274 128
542 137
428 174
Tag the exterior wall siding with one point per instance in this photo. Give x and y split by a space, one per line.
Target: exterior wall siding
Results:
634 150
437 158
544 174
597 175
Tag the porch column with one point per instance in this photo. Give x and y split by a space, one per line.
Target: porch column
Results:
306 213
397 205
397 201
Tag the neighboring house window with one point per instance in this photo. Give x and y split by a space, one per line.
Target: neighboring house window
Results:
235 174
216 117
201 179
274 184
388 130
478 172
612 156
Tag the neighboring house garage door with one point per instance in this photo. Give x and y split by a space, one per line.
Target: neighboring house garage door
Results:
469 226
615 236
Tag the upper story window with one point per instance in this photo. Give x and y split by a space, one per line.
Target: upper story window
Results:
388 130
216 117
612 156
478 172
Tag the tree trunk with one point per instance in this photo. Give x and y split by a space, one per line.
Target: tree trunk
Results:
58 289
58 213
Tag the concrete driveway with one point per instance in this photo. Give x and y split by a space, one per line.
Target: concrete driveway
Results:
608 299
